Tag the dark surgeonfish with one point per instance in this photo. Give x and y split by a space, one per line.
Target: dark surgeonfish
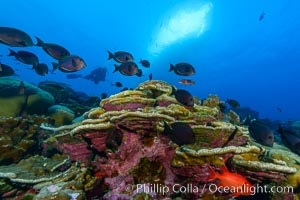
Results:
290 139
6 70
41 69
262 16
14 37
180 133
55 51
69 64
183 69
97 75
150 76
25 57
128 69
261 133
233 103
145 63
120 56
183 97
139 73
103 95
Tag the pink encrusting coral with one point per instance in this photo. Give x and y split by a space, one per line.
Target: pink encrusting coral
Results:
127 106
97 139
77 151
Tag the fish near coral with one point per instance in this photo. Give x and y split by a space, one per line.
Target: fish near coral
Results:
180 133
14 37
261 133
183 97
237 184
290 139
55 51
25 57
139 73
183 69
68 64
103 95
120 56
128 68
6 70
41 69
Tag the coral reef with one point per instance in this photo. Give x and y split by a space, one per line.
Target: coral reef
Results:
122 143
125 135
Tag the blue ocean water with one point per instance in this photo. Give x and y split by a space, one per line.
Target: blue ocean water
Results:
235 55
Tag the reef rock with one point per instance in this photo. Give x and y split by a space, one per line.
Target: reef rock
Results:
25 100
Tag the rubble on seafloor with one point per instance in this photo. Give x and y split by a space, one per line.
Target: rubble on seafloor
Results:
120 146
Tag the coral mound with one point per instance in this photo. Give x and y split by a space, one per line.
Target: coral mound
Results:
124 144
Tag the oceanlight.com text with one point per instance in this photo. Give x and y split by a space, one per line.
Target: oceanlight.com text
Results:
250 190
207 188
